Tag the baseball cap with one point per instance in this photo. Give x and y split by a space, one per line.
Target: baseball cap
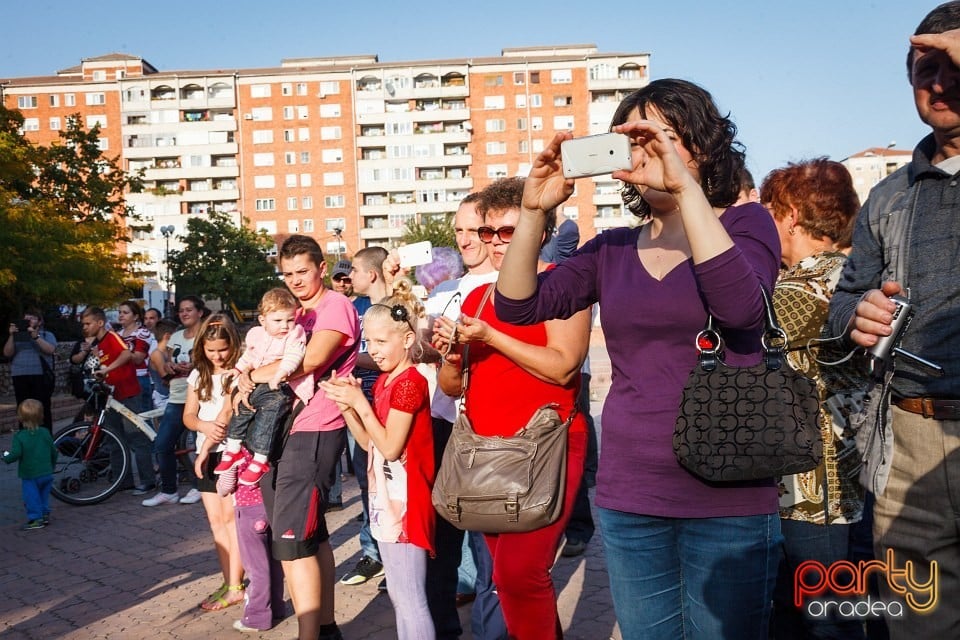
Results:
342 268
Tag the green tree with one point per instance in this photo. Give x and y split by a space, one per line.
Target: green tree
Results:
438 230
57 232
222 260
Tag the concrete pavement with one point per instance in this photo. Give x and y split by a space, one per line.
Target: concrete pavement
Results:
119 570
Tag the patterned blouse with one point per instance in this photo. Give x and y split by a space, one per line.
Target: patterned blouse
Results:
831 493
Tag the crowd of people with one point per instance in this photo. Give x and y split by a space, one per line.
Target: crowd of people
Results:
367 366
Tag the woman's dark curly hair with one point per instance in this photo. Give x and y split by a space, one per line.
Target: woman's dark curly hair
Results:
709 136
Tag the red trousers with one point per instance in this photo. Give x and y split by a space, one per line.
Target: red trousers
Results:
522 562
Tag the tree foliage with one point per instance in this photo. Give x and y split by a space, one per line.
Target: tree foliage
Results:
222 260
60 219
439 231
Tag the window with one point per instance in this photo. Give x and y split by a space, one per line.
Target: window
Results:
69 100
496 148
292 203
519 78
536 100
496 171
286 89
523 146
306 202
305 180
561 76
331 155
536 123
330 111
493 102
603 71
307 224
329 87
521 100
263 159
522 124
534 77
96 98
293 226
31 124
54 124
263 136
335 225
288 113
562 123
288 135
264 182
291 179
262 113
260 91
562 101
99 75
27 102
301 88
303 134
303 112
330 133
289 157
266 204
333 179
304 157
103 144
537 146
493 81
494 125
333 202
54 100
93 121
267 226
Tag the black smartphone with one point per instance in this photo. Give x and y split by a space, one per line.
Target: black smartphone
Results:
23 333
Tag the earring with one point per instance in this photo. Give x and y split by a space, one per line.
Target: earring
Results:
793 231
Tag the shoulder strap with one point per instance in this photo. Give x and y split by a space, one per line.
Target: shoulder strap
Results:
464 361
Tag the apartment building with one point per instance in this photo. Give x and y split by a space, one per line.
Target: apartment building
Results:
347 149
870 166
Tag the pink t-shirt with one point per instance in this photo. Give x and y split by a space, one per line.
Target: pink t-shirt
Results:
262 349
334 312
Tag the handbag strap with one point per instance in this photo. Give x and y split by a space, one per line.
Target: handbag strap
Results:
709 342
464 360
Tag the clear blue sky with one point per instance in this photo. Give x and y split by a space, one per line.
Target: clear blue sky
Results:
801 79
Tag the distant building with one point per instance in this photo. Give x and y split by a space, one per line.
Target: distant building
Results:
873 165
346 149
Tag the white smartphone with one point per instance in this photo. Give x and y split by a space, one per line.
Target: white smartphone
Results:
595 155
416 254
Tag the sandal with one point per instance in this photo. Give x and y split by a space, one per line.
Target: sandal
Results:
218 600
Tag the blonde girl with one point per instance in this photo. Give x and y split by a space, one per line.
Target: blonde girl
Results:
397 432
215 353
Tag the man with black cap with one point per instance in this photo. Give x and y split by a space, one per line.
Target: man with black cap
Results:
340 279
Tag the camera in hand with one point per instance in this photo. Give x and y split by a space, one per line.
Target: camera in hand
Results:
879 357
23 331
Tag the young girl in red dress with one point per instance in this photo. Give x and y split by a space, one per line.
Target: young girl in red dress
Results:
397 433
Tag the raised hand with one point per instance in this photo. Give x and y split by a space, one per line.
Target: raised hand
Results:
545 187
660 166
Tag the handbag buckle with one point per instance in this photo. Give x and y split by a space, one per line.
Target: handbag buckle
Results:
709 347
512 508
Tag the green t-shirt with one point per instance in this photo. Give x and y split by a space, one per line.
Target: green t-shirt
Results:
35 451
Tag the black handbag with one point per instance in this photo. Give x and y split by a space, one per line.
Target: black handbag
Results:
750 423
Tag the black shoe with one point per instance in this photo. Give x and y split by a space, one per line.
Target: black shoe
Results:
33 524
366 569
46 519
574 548
382 587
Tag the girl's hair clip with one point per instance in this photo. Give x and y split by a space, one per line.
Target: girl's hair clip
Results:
399 313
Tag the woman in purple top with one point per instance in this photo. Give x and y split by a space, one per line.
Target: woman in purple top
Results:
686 558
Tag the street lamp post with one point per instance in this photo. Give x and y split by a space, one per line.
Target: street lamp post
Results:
167 232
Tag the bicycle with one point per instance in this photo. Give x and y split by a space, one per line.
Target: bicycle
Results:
93 460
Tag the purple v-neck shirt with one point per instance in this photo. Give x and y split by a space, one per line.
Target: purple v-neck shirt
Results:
650 327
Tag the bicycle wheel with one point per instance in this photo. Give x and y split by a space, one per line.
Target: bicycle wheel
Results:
90 466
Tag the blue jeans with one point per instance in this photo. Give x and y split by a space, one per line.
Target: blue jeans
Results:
165 446
804 541
257 427
486 617
146 393
36 496
691 578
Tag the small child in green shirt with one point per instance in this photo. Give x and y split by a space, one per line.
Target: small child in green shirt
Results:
34 449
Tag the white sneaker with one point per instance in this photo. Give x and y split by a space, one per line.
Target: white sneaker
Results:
190 497
161 498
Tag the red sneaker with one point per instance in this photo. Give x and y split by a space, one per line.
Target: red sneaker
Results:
228 461
252 474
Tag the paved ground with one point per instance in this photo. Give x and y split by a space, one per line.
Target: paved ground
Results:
118 570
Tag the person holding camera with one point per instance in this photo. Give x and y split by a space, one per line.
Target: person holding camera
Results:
30 349
905 243
685 557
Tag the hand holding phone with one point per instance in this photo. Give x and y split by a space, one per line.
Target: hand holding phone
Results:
416 254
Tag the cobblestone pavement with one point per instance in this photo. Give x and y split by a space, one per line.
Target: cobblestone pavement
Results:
119 570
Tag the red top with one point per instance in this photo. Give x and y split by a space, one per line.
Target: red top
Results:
400 506
139 341
501 396
124 379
